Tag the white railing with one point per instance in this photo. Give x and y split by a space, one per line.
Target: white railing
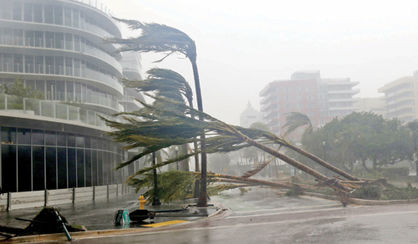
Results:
51 109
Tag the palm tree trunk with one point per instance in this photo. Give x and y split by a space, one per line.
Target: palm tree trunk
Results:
202 202
322 178
322 162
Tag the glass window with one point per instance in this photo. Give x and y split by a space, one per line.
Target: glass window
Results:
62 168
18 63
28 11
67 17
71 141
30 84
71 168
59 40
30 38
69 66
37 137
79 140
23 136
51 168
49 40
77 92
49 65
80 168
40 86
49 14
38 168
59 65
70 91
18 37
61 139
100 168
17 11
8 158
39 39
29 64
88 168
77 67
58 16
7 62
7 37
94 167
8 135
87 142
25 175
76 20
39 65
68 41
37 13
60 90
77 43
50 138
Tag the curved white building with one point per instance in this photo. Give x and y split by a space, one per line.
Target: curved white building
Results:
57 48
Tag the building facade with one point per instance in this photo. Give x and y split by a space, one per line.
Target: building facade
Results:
57 139
307 93
401 98
374 105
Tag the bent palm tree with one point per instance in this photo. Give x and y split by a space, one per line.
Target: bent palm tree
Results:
295 120
162 38
171 85
154 127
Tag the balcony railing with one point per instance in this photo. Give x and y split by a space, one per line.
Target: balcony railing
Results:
51 109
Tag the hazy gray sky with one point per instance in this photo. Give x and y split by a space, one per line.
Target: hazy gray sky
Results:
244 45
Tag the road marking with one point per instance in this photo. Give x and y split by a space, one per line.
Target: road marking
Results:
167 223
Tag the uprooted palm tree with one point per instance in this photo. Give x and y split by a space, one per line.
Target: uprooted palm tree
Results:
162 38
155 127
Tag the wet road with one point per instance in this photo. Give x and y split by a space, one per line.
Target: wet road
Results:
261 217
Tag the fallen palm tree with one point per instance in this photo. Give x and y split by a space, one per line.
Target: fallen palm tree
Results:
155 127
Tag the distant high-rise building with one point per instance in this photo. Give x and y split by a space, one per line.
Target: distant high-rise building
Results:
401 98
370 104
249 116
307 93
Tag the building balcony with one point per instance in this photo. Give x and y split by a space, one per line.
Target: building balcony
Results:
92 55
28 107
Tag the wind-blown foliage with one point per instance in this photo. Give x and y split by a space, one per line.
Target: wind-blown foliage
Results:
156 38
155 127
361 137
162 38
296 120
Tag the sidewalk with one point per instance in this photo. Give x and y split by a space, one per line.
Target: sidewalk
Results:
100 215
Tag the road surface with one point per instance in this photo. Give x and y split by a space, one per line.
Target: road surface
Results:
260 216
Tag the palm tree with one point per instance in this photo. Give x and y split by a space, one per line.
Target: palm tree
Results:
165 127
162 38
295 120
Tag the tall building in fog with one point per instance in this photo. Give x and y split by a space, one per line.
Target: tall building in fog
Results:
56 140
249 116
401 98
307 93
